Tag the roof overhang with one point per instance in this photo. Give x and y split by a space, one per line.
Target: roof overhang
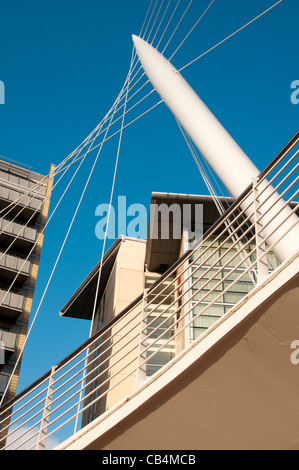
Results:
81 304
161 254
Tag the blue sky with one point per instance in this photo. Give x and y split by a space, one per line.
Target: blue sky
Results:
63 64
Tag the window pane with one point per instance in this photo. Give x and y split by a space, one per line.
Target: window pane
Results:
159 359
206 295
213 310
158 326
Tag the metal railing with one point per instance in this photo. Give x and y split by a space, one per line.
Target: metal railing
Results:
234 255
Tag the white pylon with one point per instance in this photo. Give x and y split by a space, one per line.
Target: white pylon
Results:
230 163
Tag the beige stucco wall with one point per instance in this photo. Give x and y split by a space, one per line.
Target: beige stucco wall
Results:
121 342
242 394
129 284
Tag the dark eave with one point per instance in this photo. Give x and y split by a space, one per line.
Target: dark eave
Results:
161 254
81 304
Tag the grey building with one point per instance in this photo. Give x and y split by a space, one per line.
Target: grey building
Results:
24 205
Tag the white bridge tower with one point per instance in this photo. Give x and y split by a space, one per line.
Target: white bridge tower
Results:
230 163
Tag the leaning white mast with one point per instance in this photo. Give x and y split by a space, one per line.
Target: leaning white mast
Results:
224 155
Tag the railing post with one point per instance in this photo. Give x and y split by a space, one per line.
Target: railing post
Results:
41 443
141 370
262 261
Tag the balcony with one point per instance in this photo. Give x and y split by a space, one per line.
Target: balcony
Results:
17 236
24 207
11 305
9 341
14 269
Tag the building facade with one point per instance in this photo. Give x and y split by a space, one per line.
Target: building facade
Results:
24 205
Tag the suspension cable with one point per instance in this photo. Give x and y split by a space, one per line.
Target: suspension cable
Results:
231 35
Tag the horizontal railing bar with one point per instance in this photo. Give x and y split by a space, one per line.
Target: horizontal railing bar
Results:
281 155
277 187
260 180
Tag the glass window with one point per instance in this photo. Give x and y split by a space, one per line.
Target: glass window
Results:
210 283
158 326
159 359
